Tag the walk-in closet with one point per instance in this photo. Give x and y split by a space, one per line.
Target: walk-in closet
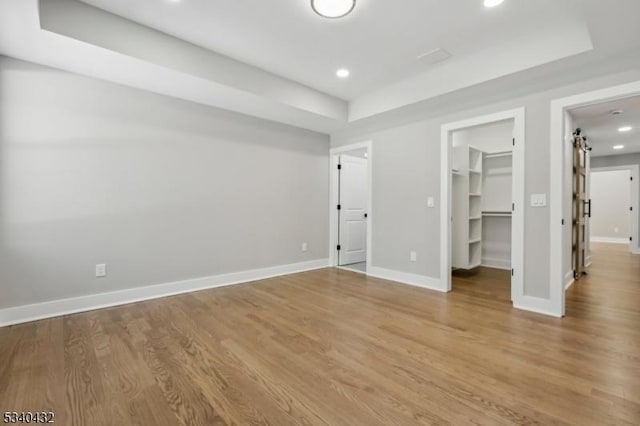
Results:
482 205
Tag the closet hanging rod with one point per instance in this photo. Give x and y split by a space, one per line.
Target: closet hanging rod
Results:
496 214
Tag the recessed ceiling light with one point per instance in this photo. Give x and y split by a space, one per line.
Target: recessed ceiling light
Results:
343 73
492 3
333 8
618 147
624 129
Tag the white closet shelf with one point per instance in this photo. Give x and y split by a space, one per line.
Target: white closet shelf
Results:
475 194
475 218
498 154
475 241
475 171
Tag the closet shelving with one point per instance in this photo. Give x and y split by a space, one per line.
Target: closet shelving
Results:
482 203
476 157
467 226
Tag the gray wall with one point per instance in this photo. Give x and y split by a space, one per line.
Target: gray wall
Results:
159 189
406 170
619 160
611 197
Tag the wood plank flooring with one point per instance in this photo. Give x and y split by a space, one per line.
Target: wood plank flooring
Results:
334 347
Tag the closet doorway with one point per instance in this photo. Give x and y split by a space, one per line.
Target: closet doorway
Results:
484 190
351 207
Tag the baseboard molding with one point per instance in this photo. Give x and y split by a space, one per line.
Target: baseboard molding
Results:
415 280
536 305
496 263
26 313
609 240
569 279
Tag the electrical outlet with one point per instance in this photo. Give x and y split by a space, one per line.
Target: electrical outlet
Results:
413 256
616 229
101 270
431 202
304 247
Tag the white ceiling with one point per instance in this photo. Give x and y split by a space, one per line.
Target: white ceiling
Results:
601 127
276 59
379 42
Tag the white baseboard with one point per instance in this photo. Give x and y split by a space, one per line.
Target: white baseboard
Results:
569 279
415 280
609 240
496 263
26 313
537 305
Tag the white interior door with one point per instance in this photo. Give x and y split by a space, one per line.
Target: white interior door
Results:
353 210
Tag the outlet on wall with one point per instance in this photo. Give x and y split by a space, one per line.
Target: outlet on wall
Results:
616 229
413 256
101 270
304 247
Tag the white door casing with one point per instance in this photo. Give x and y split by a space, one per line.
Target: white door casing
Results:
518 296
353 210
559 107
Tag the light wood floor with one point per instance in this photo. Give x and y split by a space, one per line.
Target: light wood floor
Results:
334 347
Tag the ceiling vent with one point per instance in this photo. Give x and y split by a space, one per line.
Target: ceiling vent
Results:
434 56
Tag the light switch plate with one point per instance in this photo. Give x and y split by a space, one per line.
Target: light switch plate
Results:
413 256
538 200
431 202
101 270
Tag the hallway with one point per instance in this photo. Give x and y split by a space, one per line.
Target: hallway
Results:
609 296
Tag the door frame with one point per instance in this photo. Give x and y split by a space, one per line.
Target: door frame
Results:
518 191
559 107
634 169
334 154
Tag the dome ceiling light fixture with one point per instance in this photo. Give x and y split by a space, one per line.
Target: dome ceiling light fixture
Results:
333 9
492 3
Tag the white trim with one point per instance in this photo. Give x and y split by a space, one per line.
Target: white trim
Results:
407 278
347 268
517 250
608 240
333 199
556 178
537 305
496 264
634 170
54 308
569 279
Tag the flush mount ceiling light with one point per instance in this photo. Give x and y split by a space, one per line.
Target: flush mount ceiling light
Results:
492 3
333 8
343 73
618 147
625 129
